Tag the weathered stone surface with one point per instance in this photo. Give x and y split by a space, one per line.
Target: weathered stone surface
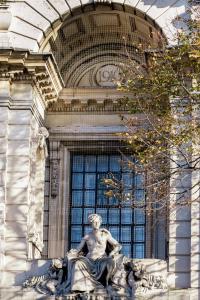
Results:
16 260
3 145
17 179
3 129
180 229
17 212
15 244
181 263
20 117
2 195
2 161
18 148
18 132
16 229
21 91
179 246
17 195
18 163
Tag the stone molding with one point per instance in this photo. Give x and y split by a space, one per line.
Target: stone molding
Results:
38 69
90 100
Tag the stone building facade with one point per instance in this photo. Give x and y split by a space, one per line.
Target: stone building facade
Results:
59 62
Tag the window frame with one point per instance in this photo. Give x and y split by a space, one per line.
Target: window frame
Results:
133 226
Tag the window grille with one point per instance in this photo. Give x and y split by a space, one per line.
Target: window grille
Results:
127 225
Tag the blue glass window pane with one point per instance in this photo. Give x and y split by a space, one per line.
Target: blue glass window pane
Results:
126 234
139 216
87 212
78 161
127 198
127 165
139 251
102 163
90 180
74 245
101 198
114 230
139 234
77 181
100 180
127 180
77 198
139 181
114 216
126 216
90 163
126 250
89 198
113 201
115 163
76 233
103 213
76 217
87 229
139 197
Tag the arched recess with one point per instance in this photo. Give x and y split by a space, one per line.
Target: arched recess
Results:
34 21
93 45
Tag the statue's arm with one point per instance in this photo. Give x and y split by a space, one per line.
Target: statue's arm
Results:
75 252
81 245
116 246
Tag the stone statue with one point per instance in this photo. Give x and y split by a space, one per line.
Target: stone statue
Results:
96 268
35 216
43 134
85 272
35 243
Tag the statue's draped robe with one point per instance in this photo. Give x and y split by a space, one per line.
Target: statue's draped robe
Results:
84 274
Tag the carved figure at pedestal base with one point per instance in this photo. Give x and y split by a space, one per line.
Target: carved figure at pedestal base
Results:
96 268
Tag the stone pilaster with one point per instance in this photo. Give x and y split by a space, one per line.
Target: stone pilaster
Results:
25 89
4 97
55 247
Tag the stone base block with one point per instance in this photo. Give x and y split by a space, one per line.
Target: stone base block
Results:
17 293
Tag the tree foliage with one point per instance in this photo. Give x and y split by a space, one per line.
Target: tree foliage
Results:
165 103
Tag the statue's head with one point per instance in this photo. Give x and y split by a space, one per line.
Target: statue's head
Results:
95 221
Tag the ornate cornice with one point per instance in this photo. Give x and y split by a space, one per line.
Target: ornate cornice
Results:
89 106
40 69
90 100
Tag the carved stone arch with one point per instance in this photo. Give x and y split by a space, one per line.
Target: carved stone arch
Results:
108 34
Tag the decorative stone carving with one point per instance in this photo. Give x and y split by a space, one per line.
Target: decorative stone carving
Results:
43 74
141 281
96 269
35 243
43 134
108 75
35 218
54 177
